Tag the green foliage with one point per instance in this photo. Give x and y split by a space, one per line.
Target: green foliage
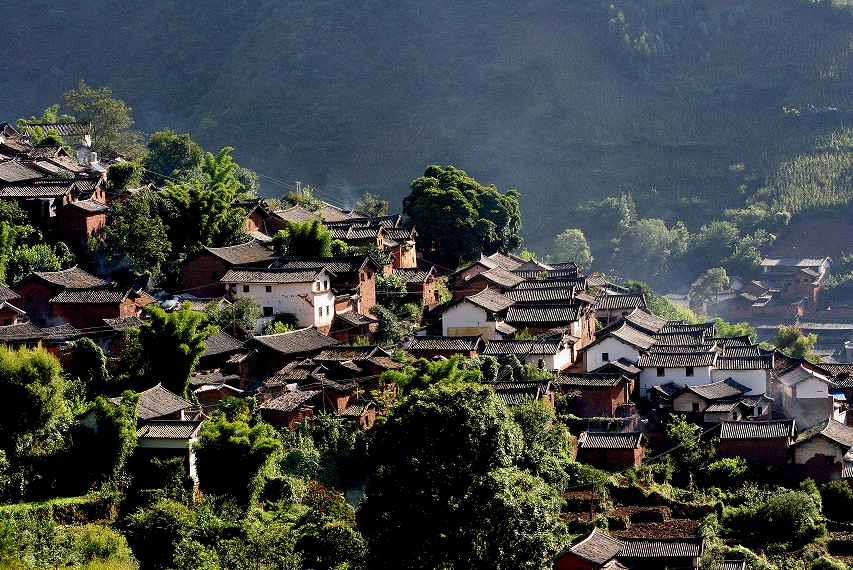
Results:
305 199
165 349
546 443
388 330
728 473
171 155
39 257
370 206
685 436
110 118
448 453
277 327
571 245
116 432
243 310
34 413
828 563
424 373
155 533
726 329
308 239
645 248
712 244
124 175
790 340
460 218
837 499
243 448
783 517
50 115
90 365
659 305
710 284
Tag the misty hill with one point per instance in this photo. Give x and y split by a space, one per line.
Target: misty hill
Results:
688 104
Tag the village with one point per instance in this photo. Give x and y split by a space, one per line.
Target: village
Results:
583 344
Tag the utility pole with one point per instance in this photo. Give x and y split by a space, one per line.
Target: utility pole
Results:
298 188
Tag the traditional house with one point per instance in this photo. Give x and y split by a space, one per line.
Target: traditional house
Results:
623 342
203 273
497 279
481 314
823 452
165 439
691 368
22 335
80 220
361 412
38 289
761 444
609 308
420 285
400 242
87 308
430 347
611 450
354 276
306 293
807 396
271 353
715 402
289 409
598 395
514 393
657 553
596 551
556 353
575 319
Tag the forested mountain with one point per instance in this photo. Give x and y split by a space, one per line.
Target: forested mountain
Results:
692 106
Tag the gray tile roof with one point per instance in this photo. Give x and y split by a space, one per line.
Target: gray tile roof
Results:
90 206
732 341
542 314
628 335
39 189
289 401
357 408
356 319
347 264
70 129
543 295
221 343
247 253
757 430
680 338
598 547
645 321
588 380
609 440
400 234
669 389
515 393
830 429
213 378
489 300
156 402
296 214
800 373
508 262
677 359
99 296
499 276
522 347
123 323
578 284
270 275
73 278
707 329
446 343
611 302
62 332
546 274
661 547
741 350
169 429
413 274
12 172
21 332
295 342
761 362
7 294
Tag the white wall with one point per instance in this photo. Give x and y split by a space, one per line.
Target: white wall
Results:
615 350
755 380
460 318
812 388
649 377
302 299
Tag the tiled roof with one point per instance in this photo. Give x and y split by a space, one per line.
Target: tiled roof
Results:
629 335
356 319
522 347
62 332
357 408
399 234
448 343
708 329
800 373
722 406
609 440
620 301
792 262
590 380
90 206
333 213
413 274
157 401
508 262
99 296
762 362
679 338
646 322
542 295
169 429
73 278
348 353
597 548
757 430
515 393
676 359
731 565
661 547
669 389
346 264
12 172
212 378
732 341
7 294
741 350
577 284
290 401
270 275
70 129
296 214
21 332
490 300
542 314
624 365
505 329
246 253
123 323
221 343
39 189
296 342
500 276
546 274
830 429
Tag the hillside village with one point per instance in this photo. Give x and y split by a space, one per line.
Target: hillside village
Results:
585 345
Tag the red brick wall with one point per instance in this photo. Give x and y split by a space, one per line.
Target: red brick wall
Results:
367 278
474 286
757 453
86 315
596 402
611 459
570 561
75 226
34 301
286 419
405 258
201 276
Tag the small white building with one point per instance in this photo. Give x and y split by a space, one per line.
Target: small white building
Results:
306 293
624 341
480 314
685 368
557 353
807 396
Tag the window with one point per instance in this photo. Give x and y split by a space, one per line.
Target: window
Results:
320 312
7 322
214 275
760 410
268 312
325 284
734 415
245 288
688 371
605 357
695 406
327 311
268 288
661 371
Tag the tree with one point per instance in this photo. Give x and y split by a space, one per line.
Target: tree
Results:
231 453
571 245
712 244
109 117
790 340
710 284
388 330
116 432
307 239
124 175
244 311
448 453
424 373
460 218
685 437
90 364
646 248
165 349
370 206
724 329
171 155
33 413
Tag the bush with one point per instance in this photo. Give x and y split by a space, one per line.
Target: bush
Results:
728 473
97 542
837 501
787 518
155 533
828 563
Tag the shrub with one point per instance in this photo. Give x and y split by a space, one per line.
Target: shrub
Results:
837 501
98 542
728 473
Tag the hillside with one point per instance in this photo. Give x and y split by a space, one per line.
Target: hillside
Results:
689 105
